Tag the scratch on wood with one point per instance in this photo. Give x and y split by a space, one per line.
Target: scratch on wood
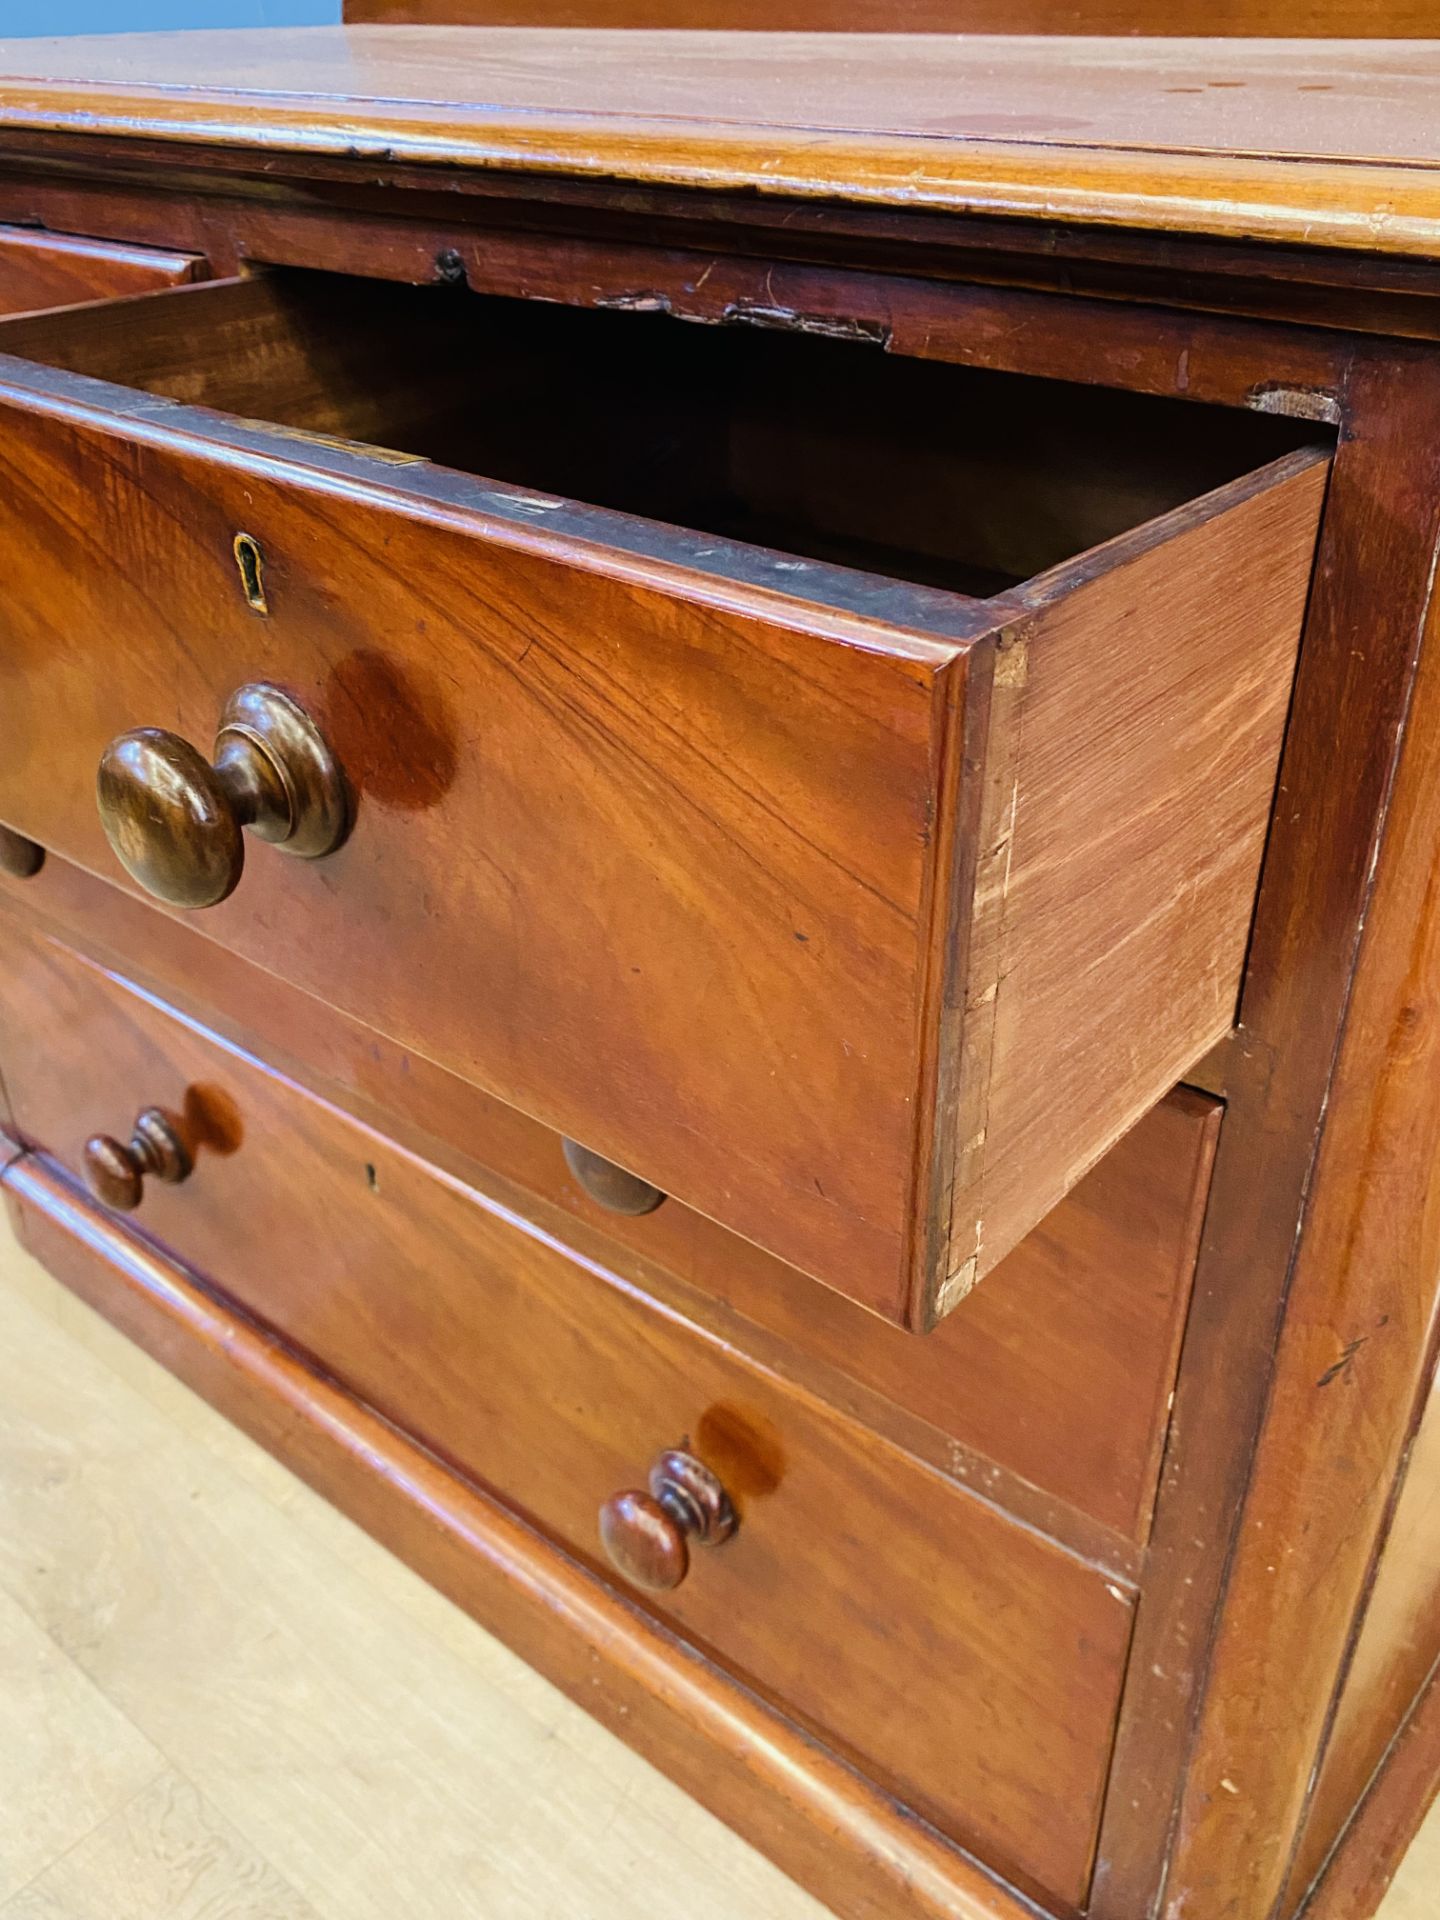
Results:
1342 1365
638 302
954 1287
830 326
1012 662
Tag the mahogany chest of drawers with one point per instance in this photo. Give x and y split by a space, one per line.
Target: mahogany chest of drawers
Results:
719 831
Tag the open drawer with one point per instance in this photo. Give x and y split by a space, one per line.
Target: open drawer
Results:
837 798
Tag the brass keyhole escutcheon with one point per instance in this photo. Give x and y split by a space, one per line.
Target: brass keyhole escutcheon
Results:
251 562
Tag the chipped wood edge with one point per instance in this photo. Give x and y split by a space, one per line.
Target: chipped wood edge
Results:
947 915
970 1254
1000 788
1360 205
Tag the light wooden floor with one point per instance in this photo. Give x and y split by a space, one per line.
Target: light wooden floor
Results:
219 1701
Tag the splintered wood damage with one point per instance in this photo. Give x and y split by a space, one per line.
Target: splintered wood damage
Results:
1296 403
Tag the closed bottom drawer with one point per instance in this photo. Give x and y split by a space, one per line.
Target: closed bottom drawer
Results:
969 1665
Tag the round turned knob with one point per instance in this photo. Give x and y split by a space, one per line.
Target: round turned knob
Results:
22 859
115 1174
648 1535
609 1186
175 820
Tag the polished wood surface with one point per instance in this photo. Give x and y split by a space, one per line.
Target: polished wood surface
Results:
917 1118
696 818
1381 1866
1324 146
424 1299
1259 255
1339 19
516 1783
22 859
823 1821
1363 1291
1051 1389
176 822
115 1171
1396 1652
648 1532
59 269
253 1799
1365 630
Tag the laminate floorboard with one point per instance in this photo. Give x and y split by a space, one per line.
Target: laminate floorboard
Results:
222 1701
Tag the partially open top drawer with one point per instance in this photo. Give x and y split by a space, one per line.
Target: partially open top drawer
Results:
860 909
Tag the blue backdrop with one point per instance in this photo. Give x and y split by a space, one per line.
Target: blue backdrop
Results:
134 16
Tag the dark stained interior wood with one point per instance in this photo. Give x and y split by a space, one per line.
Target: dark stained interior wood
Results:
1172 180
832 449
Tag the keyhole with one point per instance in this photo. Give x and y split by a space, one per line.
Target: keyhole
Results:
251 562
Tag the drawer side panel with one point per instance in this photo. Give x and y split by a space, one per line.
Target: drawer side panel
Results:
1135 735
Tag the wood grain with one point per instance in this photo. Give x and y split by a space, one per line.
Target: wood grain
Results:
820 1818
59 269
1328 19
716 836
1364 628
804 1601
165 1855
787 879
82 1762
1366 1267
342 1742
1095 917
1372 1871
1397 1650
1048 1389
1235 139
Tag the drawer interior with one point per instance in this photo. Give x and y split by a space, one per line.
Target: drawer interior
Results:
829 450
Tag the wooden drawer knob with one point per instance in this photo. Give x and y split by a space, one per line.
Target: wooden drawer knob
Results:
115 1174
610 1186
175 820
22 859
648 1535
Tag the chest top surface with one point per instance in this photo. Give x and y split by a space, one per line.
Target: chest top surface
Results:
1320 143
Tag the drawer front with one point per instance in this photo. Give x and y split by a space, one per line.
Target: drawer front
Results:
60 269
1059 1369
862 923
968 1664
654 868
